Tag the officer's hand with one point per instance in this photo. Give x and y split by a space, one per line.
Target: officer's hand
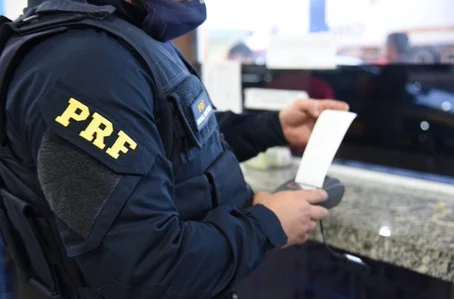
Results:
296 210
298 119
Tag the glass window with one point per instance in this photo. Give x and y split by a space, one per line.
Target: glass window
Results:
12 8
366 31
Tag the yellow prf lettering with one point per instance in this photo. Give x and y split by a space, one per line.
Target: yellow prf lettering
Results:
71 113
201 105
94 127
119 145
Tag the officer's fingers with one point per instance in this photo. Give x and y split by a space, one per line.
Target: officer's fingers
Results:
314 196
302 238
315 107
333 105
312 226
318 213
307 106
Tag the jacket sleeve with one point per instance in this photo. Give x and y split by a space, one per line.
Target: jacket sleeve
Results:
102 169
251 134
147 251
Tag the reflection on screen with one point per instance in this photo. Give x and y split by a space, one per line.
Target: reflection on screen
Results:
405 113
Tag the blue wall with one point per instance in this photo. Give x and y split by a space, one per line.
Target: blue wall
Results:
317 22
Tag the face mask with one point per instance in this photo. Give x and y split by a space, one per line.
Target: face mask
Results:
169 19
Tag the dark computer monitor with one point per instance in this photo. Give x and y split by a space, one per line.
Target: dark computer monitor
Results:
405 113
405 120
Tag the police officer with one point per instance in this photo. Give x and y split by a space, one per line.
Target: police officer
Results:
122 142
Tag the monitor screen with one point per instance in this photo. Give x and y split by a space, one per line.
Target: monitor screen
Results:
365 31
405 113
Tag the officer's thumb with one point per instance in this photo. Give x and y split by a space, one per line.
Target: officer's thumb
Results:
313 196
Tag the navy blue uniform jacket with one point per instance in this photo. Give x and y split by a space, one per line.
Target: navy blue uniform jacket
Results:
135 243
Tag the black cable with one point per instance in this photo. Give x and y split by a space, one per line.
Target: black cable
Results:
342 256
334 253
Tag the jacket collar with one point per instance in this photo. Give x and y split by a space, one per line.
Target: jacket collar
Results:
123 9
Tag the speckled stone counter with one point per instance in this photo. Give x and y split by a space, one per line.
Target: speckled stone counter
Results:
406 225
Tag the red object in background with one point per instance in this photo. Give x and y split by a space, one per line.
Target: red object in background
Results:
315 87
381 61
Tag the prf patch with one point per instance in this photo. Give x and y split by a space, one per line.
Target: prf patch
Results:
202 110
97 130
104 129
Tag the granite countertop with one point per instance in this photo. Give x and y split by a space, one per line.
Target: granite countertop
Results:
404 222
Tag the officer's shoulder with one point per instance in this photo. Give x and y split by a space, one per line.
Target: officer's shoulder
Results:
83 50
89 60
89 91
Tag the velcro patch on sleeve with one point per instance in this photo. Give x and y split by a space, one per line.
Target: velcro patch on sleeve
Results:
103 130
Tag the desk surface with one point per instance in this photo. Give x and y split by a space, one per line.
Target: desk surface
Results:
400 221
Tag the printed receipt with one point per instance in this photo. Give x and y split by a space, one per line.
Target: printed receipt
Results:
326 137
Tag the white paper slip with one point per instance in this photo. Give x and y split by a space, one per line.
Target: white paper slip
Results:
271 99
326 137
223 83
312 51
